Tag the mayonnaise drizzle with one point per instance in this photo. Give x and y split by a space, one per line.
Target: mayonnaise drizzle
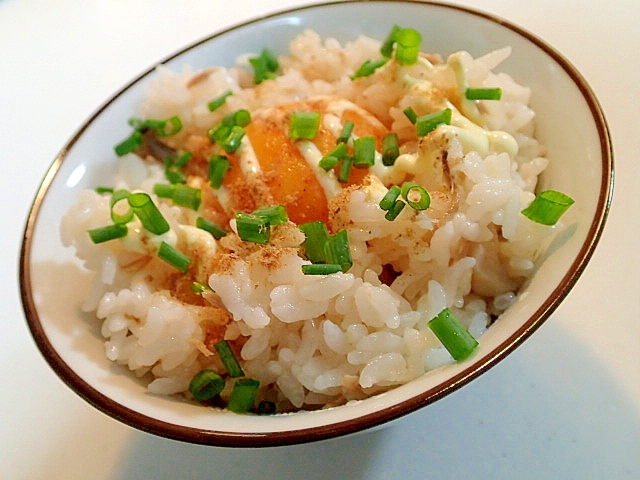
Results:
327 180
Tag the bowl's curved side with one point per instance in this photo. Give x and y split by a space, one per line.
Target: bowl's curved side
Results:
73 347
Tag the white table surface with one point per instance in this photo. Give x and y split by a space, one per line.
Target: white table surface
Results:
565 405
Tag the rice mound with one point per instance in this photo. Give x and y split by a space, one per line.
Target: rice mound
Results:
318 341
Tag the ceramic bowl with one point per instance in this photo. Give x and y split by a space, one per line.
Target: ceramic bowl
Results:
569 122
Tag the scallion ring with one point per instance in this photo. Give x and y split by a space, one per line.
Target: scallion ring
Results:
147 212
109 232
304 125
411 190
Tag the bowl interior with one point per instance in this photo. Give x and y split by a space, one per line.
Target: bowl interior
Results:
53 283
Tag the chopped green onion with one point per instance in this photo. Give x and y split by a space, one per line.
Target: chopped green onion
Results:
241 118
265 66
410 114
163 190
173 173
408 43
321 268
206 385
364 152
304 125
548 207
229 137
427 123
395 210
163 128
219 101
147 212
387 46
390 198
174 257
368 68
275 215
266 407
453 335
345 169
116 197
129 144
110 232
252 228
212 228
483 93
229 360
345 133
243 395
316 236
390 149
329 161
186 196
183 159
218 167
336 250
424 200
103 190
200 288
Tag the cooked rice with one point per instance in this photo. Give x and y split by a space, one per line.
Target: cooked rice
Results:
317 341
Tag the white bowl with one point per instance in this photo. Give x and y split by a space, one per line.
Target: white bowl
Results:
569 122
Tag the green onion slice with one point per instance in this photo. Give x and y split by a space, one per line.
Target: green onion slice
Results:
183 159
275 215
265 66
241 118
408 43
334 157
218 167
200 288
186 196
316 236
387 45
410 190
390 197
174 257
364 152
162 128
103 190
395 210
453 335
410 114
116 198
321 268
109 232
483 93
368 68
390 149
147 212
548 207
345 169
427 123
229 360
206 385
345 133
212 228
328 162
252 228
163 190
243 395
129 144
336 250
304 125
219 101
